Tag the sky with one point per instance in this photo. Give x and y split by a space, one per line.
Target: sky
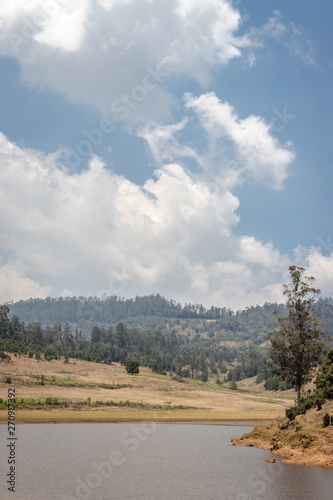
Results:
180 147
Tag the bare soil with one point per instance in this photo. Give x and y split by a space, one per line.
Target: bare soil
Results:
303 441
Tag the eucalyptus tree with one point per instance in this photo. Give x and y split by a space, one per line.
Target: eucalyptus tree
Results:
296 341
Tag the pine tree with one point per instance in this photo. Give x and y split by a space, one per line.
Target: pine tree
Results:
296 342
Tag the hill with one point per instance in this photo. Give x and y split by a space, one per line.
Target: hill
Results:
80 390
155 312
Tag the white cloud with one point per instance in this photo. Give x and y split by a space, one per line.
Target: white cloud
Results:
236 149
321 267
14 285
163 142
95 230
255 252
256 151
98 52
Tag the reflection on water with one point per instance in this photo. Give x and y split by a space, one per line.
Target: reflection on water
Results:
148 461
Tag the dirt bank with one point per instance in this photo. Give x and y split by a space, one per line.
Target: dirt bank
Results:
303 441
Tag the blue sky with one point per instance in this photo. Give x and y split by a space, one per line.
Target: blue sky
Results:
180 148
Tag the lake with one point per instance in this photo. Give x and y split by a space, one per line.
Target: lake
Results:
150 461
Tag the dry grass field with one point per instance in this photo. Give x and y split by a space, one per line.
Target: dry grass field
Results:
79 380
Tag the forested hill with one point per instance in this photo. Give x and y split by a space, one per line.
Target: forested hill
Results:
156 312
110 309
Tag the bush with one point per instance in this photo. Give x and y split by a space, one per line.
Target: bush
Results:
326 420
272 384
303 405
284 385
260 378
4 356
8 380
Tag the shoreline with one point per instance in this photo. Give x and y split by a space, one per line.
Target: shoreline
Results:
287 454
196 417
302 441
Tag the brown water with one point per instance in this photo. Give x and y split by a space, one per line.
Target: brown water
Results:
146 462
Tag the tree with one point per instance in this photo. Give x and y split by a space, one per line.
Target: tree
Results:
324 379
296 342
4 322
132 366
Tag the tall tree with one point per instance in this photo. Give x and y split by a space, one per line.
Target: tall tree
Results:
4 321
296 342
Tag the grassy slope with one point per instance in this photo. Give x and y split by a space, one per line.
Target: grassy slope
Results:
78 380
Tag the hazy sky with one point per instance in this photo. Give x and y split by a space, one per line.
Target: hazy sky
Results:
180 147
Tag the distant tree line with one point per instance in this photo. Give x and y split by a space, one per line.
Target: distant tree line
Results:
109 309
154 312
159 351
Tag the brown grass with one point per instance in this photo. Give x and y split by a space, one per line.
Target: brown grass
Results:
211 403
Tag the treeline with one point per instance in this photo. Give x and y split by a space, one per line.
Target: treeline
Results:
254 323
159 351
109 309
153 312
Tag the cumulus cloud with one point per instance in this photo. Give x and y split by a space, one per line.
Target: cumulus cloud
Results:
246 142
318 265
95 230
118 56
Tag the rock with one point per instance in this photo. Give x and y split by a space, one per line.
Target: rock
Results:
328 450
270 460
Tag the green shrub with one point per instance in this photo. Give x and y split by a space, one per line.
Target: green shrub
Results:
303 405
272 384
284 385
260 378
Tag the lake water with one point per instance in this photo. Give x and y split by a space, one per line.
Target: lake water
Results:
149 461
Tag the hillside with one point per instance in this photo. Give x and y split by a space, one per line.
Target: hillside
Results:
155 312
81 390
